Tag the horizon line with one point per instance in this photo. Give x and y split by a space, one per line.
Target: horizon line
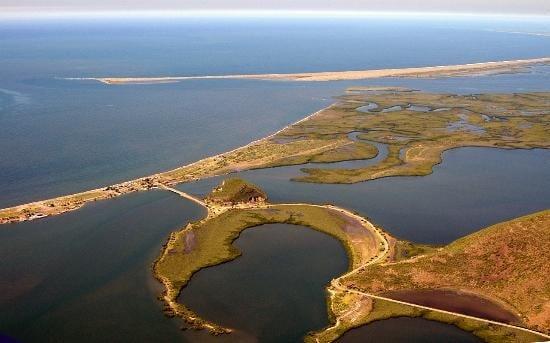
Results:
20 13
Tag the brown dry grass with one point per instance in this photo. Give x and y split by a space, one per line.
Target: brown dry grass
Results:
507 262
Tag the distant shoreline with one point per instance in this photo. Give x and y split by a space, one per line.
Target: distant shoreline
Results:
471 69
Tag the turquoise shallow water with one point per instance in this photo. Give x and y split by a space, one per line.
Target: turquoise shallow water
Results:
85 275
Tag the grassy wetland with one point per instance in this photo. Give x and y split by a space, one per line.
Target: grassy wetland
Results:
416 127
209 242
496 291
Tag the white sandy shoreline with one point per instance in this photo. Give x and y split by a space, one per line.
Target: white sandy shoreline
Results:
432 71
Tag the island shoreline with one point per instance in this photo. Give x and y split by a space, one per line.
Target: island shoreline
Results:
468 69
310 139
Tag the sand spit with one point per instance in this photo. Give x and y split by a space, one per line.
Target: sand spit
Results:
472 69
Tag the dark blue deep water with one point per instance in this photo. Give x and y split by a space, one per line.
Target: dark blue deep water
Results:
84 276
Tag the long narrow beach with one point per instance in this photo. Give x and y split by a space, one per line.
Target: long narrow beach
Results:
471 69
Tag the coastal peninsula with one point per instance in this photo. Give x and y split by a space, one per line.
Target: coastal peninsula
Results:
471 69
415 128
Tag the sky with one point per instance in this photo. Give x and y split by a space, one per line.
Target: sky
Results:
516 7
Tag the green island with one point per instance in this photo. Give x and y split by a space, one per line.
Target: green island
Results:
379 264
415 128
209 241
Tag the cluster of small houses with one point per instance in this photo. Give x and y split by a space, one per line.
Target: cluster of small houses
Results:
113 191
132 186
250 200
249 194
229 203
147 183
